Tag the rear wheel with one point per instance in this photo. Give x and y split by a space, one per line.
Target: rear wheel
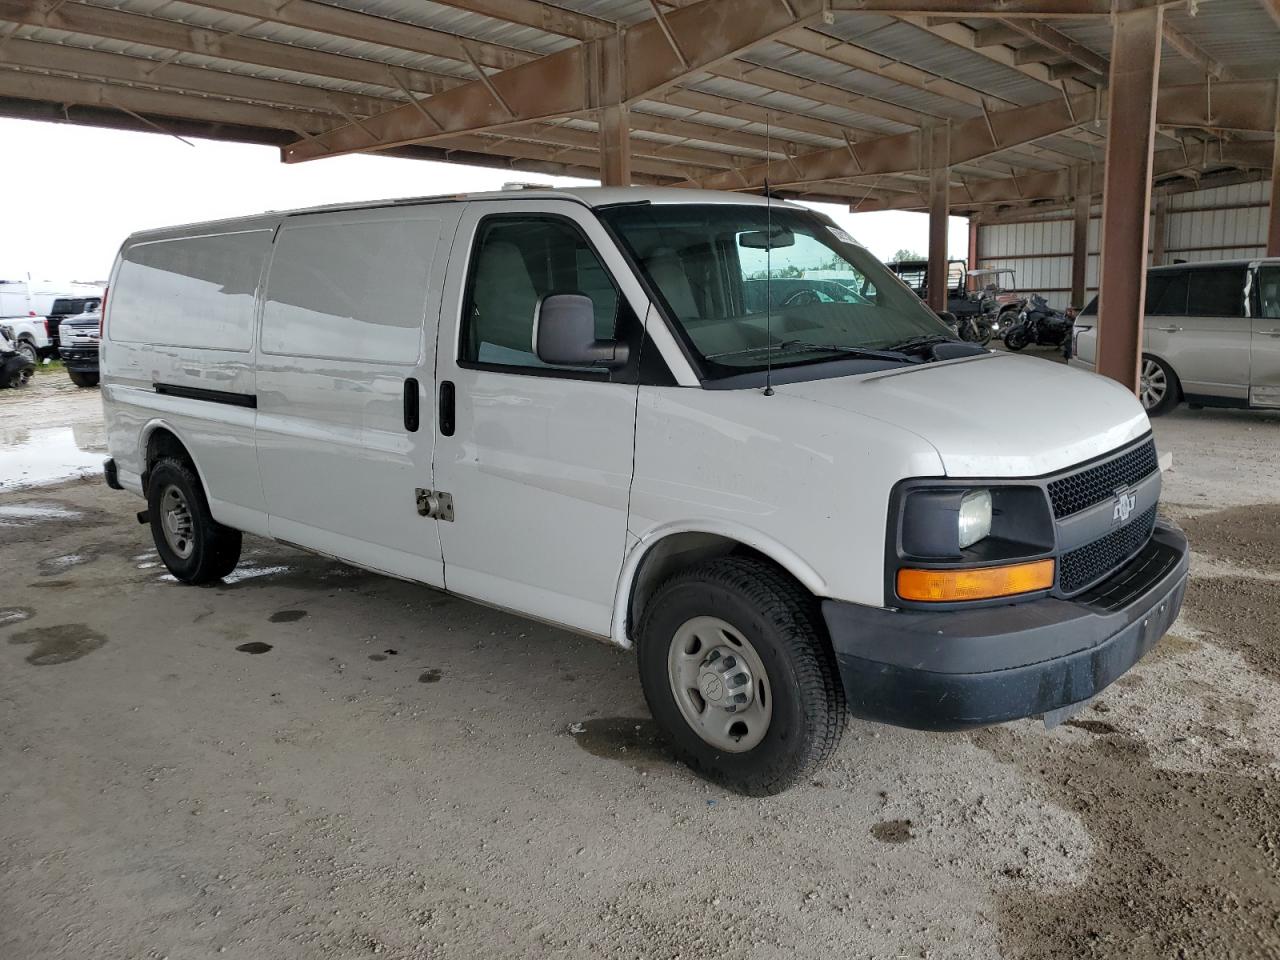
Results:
20 377
194 546
1158 386
27 350
83 379
738 673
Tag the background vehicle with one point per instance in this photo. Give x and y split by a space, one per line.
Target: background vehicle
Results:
81 334
1211 335
577 405
1038 324
30 336
16 369
47 302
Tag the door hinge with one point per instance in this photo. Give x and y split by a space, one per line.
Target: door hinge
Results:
435 504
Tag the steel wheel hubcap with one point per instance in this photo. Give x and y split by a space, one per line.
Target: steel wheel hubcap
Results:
720 684
1153 384
177 523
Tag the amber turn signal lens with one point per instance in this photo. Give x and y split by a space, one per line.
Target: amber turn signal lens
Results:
980 583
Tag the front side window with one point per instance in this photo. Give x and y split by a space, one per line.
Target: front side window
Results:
1216 293
516 261
1268 287
751 286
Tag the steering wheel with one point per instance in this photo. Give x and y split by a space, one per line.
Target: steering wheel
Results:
801 298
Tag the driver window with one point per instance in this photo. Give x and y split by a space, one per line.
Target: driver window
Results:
516 262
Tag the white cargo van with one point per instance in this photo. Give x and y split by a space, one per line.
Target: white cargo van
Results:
597 408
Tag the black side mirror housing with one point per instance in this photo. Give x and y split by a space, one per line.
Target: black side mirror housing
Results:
564 334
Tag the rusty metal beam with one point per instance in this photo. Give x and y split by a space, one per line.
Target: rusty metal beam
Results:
1273 212
1192 51
96 21
1159 227
1043 9
937 143
1083 203
1050 185
540 16
1229 105
96 64
558 85
1126 194
1056 40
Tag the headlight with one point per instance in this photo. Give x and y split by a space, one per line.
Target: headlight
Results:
974 519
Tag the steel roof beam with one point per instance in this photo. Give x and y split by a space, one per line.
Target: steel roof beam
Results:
1228 105
95 21
1057 41
1192 51
561 84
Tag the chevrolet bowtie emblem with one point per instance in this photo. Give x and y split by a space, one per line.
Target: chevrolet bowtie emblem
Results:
1125 503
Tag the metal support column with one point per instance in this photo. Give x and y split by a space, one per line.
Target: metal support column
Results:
613 116
1126 192
975 249
1273 215
1083 203
1159 228
937 143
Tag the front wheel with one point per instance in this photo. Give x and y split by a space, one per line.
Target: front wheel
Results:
1016 338
193 545
27 350
1158 386
737 671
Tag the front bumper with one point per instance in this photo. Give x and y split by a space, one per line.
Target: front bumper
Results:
950 670
80 359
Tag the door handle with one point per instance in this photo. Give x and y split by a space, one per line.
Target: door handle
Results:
1167 329
411 405
446 405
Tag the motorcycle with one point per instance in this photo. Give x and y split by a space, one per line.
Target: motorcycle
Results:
971 327
1038 324
16 369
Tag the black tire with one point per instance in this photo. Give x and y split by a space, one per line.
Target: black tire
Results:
214 549
83 379
1016 338
1172 395
782 621
28 349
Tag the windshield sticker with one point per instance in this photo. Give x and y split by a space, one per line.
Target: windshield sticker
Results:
841 235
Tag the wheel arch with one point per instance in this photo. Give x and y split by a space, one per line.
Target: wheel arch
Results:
672 547
159 438
1177 377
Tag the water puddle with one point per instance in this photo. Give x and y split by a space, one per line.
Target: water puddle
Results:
256 646
635 741
430 676
31 457
287 616
60 644
12 615
24 514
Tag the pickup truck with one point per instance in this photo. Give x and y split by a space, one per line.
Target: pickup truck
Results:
78 347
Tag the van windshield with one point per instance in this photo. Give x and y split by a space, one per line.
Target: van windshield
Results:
751 286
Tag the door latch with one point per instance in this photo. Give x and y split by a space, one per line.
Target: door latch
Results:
435 504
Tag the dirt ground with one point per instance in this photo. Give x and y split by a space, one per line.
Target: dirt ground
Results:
311 761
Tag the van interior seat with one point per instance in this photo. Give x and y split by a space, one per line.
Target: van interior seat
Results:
671 277
505 298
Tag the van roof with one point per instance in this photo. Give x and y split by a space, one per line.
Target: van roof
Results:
588 196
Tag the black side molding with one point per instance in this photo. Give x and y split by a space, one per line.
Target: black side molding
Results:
411 405
210 396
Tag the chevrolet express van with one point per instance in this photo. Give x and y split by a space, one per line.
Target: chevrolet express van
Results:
591 407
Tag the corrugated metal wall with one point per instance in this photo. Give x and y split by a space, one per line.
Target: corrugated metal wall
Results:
1217 224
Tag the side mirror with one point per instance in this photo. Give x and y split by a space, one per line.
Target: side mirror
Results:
564 334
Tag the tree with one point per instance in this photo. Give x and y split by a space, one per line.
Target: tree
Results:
905 254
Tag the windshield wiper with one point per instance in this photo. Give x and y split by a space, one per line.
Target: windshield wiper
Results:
800 346
926 341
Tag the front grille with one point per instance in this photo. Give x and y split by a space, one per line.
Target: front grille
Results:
1084 566
1082 490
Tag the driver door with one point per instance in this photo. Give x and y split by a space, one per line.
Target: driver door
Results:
536 459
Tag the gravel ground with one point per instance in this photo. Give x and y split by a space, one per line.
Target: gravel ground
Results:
311 761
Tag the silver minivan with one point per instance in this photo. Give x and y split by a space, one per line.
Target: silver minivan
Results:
1211 335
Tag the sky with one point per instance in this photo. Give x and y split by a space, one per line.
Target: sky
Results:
74 193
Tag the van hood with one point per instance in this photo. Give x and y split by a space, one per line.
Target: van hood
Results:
995 415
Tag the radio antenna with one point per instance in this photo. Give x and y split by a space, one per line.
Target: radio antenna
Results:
768 262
